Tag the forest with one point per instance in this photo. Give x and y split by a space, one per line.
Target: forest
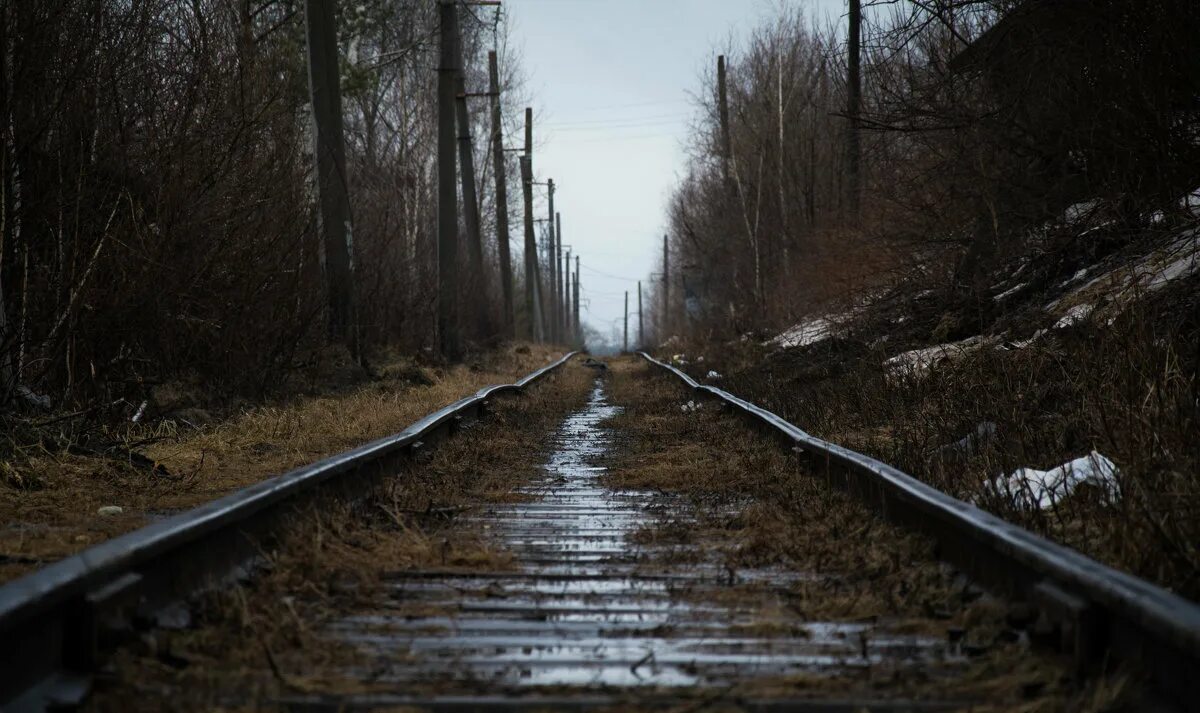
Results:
968 248
303 406
160 217
932 152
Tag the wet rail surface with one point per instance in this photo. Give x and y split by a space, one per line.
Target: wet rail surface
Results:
590 611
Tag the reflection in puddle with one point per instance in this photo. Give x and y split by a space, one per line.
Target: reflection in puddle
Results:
591 608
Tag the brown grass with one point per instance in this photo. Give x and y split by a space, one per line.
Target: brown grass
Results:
49 498
1128 389
262 640
757 506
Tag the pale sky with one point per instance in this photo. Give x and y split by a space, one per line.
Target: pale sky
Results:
611 82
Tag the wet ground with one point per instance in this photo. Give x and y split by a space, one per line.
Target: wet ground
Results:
616 553
590 608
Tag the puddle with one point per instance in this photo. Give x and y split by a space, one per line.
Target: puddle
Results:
590 608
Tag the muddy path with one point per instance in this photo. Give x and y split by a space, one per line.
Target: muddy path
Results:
603 544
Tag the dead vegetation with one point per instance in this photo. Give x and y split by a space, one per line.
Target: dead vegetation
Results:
270 637
1121 381
54 487
752 498
1025 249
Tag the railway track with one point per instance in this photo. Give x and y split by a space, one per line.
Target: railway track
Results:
595 609
54 622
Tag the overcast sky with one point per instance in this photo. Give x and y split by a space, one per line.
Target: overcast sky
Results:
612 81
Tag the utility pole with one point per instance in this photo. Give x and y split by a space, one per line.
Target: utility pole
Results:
506 277
626 348
854 107
552 264
723 113
568 334
466 160
666 316
641 325
560 286
324 85
533 329
578 327
447 245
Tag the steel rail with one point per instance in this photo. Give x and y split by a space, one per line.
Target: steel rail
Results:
53 622
1099 613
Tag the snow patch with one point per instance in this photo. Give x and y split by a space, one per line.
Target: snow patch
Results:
1042 489
1009 292
712 375
1181 267
1075 315
1178 260
805 333
1191 202
918 361
1078 211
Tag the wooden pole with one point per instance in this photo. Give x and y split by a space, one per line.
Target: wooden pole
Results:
578 327
502 236
854 107
533 329
330 153
666 315
466 159
564 299
723 114
552 267
626 343
568 333
641 342
447 221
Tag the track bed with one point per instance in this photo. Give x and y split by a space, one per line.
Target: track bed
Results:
605 545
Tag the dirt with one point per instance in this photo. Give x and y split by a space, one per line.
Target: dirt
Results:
1123 382
725 495
51 494
758 506
266 638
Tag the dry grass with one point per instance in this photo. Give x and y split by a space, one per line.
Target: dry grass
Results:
256 642
1128 389
49 498
754 502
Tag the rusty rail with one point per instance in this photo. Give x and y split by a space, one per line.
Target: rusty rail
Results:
1100 613
55 622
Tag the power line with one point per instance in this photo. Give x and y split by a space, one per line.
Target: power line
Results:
608 275
618 139
615 121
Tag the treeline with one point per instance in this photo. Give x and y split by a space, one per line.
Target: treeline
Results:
975 121
159 198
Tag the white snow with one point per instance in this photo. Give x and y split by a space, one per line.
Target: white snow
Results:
1181 267
1178 260
805 333
1022 343
1010 292
1191 202
1080 210
712 375
1075 315
1041 489
920 360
